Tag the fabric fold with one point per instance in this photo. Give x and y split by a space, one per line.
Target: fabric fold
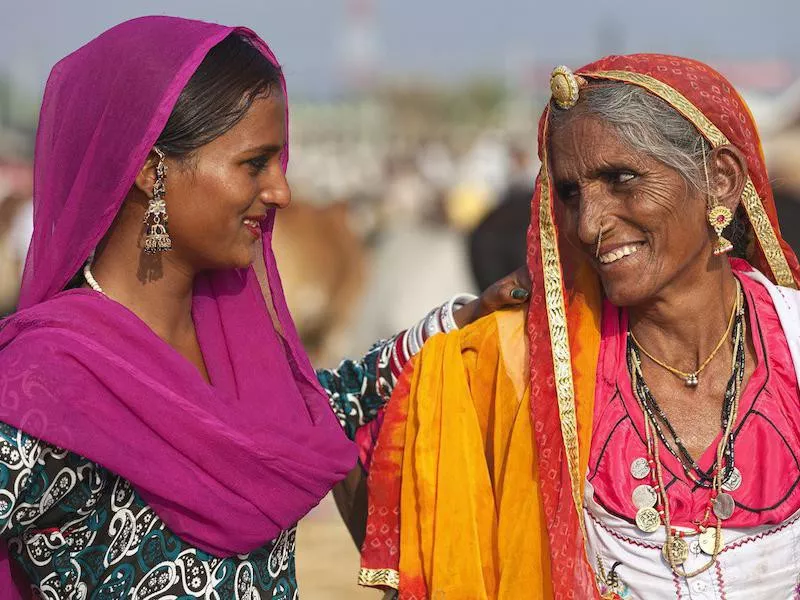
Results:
455 459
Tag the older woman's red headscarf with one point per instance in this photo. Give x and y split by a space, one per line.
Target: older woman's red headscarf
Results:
563 323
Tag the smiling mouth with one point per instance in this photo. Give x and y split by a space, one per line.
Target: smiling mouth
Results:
618 254
253 226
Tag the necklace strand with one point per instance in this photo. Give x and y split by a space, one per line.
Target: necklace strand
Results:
655 413
690 378
728 420
87 275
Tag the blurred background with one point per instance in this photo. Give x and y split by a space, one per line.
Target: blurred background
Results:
413 132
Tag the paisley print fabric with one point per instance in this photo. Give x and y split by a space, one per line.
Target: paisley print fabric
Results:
80 532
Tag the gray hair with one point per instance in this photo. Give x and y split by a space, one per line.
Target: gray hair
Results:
647 124
651 126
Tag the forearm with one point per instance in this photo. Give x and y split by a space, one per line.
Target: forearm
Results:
358 389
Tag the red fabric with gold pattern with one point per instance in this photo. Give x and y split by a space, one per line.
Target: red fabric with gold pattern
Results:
380 553
572 576
715 98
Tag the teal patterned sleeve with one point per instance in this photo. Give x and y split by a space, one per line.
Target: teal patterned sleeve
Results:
357 389
20 456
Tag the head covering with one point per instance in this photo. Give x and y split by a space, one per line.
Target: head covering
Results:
564 315
227 466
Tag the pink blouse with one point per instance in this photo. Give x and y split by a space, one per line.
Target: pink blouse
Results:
767 429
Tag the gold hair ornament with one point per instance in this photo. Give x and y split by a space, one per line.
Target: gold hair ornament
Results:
565 86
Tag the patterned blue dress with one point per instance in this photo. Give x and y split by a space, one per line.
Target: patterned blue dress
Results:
80 532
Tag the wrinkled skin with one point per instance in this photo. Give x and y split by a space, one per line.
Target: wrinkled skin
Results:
634 199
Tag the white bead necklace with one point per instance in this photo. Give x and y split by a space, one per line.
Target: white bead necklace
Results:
87 275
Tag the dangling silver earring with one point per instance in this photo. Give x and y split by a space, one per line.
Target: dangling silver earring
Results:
157 238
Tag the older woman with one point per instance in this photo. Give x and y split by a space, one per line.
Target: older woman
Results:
162 430
654 452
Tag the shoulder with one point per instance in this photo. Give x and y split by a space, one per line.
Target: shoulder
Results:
786 300
23 461
51 329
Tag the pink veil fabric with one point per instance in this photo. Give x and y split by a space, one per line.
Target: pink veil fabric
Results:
227 466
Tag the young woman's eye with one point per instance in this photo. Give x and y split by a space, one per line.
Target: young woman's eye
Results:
258 163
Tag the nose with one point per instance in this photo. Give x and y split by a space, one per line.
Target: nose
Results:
276 191
593 208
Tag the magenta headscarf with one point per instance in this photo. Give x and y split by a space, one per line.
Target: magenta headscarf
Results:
227 466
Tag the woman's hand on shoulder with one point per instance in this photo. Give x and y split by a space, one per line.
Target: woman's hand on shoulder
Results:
510 291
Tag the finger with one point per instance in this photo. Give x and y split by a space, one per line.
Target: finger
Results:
519 285
521 278
519 294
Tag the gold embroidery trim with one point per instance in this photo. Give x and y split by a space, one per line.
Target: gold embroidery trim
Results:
752 202
559 342
379 577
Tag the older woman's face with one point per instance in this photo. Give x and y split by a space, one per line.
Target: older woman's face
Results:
217 202
653 223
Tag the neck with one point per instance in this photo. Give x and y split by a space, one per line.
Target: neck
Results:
164 303
684 324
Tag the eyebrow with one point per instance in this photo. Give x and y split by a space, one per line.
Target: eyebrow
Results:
606 169
264 149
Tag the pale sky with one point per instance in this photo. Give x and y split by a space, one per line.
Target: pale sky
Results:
435 39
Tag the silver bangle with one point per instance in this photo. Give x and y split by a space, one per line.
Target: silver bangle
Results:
406 349
413 342
419 336
433 323
449 308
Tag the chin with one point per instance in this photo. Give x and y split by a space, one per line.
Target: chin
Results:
237 260
625 294
242 262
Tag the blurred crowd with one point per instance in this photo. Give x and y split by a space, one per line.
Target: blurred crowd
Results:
406 244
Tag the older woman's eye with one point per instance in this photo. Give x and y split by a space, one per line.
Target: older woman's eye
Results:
567 192
624 177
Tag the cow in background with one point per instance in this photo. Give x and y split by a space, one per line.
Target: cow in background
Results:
323 262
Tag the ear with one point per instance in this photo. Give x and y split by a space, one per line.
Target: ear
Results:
727 175
146 178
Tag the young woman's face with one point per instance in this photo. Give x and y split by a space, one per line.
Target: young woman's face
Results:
218 199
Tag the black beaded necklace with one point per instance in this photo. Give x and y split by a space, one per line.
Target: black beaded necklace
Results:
655 414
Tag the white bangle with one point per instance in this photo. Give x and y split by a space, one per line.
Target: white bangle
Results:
413 342
416 337
439 320
448 308
419 333
432 323
462 299
406 348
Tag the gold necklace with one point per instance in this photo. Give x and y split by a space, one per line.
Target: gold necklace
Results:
691 379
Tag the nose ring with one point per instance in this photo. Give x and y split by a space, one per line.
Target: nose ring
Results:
599 239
